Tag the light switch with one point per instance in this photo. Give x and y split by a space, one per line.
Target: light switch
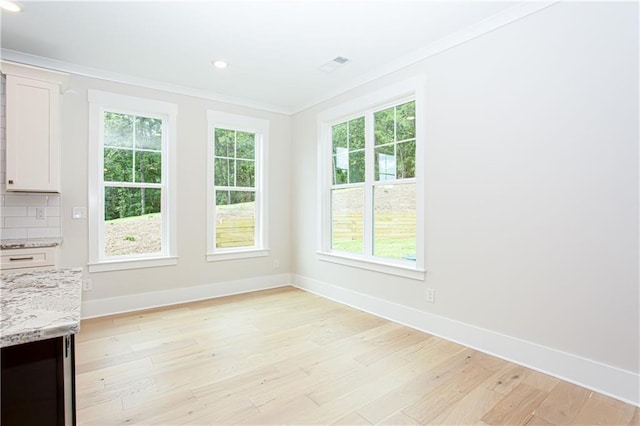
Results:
79 213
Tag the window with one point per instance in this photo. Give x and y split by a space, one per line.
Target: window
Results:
132 180
370 174
237 197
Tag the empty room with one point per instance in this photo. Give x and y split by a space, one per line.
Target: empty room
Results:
320 212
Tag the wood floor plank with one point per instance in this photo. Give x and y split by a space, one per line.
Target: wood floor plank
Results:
537 421
200 412
284 388
351 419
115 392
507 378
471 408
104 413
399 419
411 392
284 356
348 324
602 410
389 345
563 404
338 386
100 328
124 356
442 398
540 381
284 412
516 408
360 396
635 420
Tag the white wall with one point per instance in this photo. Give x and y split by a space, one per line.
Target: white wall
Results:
531 185
192 270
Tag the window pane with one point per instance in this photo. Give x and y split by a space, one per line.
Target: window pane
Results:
356 166
118 165
347 220
235 221
222 198
224 172
385 163
132 221
406 120
356 133
225 143
394 227
406 159
383 125
118 130
148 167
148 133
245 173
341 166
339 136
246 145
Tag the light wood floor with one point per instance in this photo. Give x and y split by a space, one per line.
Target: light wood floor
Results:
287 356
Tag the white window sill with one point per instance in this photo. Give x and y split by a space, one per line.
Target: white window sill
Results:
122 264
237 254
391 268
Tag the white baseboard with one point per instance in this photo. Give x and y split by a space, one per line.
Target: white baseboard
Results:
605 379
136 302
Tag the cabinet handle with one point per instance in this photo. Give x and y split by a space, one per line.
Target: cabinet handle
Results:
20 258
10 181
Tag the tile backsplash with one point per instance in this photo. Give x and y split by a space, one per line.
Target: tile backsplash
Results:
18 210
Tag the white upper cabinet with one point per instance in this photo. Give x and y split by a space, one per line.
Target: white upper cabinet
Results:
33 128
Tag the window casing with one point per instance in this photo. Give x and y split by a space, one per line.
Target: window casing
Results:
237 189
131 182
371 174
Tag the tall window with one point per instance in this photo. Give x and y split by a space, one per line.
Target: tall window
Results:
372 201
131 210
237 189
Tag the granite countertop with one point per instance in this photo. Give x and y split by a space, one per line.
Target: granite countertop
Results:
30 243
39 305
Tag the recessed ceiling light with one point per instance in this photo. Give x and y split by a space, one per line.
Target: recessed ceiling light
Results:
219 64
9 6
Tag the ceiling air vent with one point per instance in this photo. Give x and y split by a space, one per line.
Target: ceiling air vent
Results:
333 64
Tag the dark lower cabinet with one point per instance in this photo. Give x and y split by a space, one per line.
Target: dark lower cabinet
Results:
38 383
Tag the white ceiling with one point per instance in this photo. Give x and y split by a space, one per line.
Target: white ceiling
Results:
274 48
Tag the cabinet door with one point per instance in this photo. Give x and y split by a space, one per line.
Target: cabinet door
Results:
33 135
32 384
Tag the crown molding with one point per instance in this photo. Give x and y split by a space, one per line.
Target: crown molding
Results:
67 67
500 19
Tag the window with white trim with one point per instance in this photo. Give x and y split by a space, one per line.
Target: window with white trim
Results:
371 172
237 196
132 180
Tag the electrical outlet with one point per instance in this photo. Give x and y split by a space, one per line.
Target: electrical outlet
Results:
87 285
431 295
276 263
41 213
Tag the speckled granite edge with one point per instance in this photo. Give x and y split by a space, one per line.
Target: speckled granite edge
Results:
30 243
39 305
